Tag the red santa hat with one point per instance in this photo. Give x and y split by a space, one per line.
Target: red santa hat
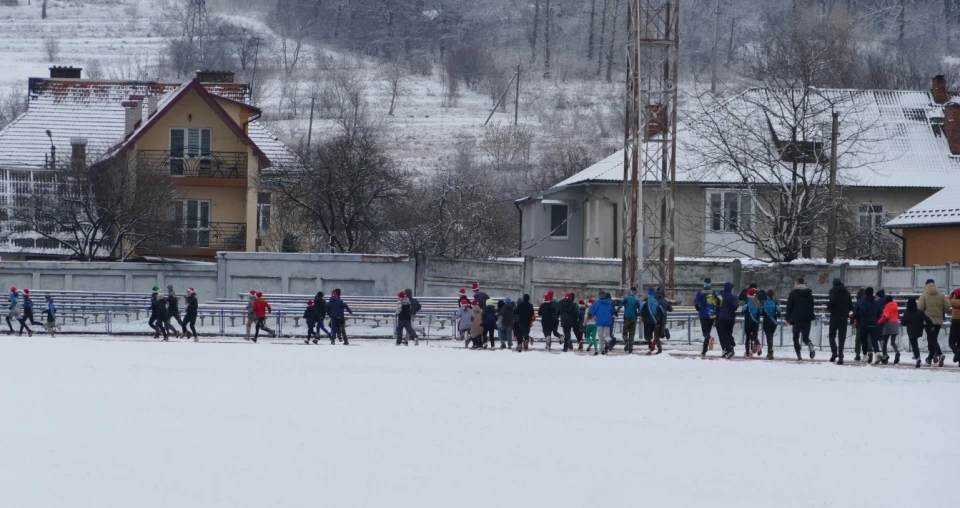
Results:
581 302
190 291
956 293
309 303
568 296
476 303
401 295
464 301
259 294
253 292
26 291
462 292
751 292
476 287
13 289
591 301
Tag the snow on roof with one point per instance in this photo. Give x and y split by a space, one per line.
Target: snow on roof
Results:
277 151
898 144
940 209
93 110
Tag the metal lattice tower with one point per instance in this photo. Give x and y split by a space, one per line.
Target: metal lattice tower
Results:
195 28
650 153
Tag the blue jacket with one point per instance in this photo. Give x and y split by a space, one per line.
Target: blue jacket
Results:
706 302
603 309
870 310
771 312
630 305
728 304
752 309
51 309
651 311
13 300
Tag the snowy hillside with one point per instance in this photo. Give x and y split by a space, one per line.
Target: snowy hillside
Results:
111 423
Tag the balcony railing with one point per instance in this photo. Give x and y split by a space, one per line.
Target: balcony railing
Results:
214 165
228 236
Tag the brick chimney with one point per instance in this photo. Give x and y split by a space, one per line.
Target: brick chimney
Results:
152 102
132 114
66 72
940 94
215 76
78 152
951 126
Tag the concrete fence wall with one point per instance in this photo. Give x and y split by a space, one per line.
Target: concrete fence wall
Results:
355 274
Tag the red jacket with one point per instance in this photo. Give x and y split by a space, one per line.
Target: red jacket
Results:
261 307
891 313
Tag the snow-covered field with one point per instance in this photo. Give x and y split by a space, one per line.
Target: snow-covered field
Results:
99 422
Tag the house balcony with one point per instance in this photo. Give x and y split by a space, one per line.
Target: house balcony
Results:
200 242
215 169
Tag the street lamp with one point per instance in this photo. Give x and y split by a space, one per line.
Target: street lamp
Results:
832 219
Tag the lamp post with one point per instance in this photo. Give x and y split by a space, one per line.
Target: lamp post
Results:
832 211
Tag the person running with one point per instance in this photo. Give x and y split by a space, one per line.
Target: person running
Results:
800 315
26 314
570 321
478 295
726 319
869 315
51 324
771 313
707 303
525 318
583 322
261 307
13 310
661 331
173 310
310 317
890 324
321 312
916 322
955 330
405 318
251 315
752 321
602 309
158 314
337 310
343 323
506 317
839 306
549 318
590 328
190 319
934 304
488 321
652 315
630 305
476 325
464 318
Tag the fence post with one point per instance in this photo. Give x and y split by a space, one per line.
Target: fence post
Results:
820 333
279 323
689 331
782 325
222 325
106 321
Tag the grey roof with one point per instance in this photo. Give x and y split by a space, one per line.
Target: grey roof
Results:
943 208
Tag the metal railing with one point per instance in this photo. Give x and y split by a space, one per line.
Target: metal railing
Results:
228 236
212 165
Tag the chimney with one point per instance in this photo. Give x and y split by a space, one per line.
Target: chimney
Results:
951 126
132 114
66 72
940 94
78 152
215 76
152 105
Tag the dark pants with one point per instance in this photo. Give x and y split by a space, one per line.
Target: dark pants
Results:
706 326
336 327
629 332
190 321
933 345
157 323
801 331
23 324
567 341
893 340
866 345
343 329
550 331
915 345
955 338
725 334
752 331
524 335
838 330
768 331
489 335
175 316
406 325
310 329
29 315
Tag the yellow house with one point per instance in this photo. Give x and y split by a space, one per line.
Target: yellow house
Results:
204 134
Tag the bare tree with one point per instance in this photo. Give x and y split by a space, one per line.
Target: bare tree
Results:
108 209
393 75
13 103
51 46
292 22
507 147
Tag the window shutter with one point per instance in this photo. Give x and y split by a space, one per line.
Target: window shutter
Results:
193 142
205 142
176 143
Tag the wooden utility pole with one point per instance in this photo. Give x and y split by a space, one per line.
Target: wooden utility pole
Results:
716 51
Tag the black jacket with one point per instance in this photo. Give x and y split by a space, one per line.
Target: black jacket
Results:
489 317
915 322
507 315
321 306
192 304
310 314
159 308
840 305
549 315
870 310
800 306
568 313
525 312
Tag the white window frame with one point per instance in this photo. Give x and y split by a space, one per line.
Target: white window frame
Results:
198 232
744 220
260 208
566 217
190 151
874 214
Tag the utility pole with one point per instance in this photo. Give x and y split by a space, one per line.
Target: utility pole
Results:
313 98
516 99
716 52
253 79
832 223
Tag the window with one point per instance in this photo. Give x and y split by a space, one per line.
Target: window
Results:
264 205
188 144
558 221
191 218
730 211
871 217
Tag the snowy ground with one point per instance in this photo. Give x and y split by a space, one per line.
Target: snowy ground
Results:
114 422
